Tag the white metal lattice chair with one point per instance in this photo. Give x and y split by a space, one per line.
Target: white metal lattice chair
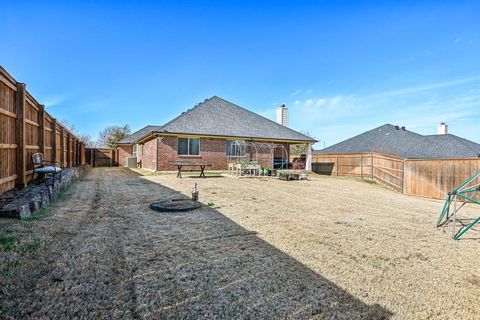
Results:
41 166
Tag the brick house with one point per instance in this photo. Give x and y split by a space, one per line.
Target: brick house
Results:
205 134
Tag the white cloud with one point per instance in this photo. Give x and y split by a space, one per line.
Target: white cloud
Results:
309 102
336 100
429 113
297 92
420 108
422 88
321 102
53 101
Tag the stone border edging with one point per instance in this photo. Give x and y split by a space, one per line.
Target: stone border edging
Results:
40 196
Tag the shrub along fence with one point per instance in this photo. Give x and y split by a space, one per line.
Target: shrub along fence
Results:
432 178
26 128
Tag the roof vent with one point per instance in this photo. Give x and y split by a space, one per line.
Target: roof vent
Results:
397 128
403 128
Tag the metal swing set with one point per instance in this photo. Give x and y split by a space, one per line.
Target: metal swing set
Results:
467 192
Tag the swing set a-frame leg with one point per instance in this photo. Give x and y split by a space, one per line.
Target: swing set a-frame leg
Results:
465 194
474 222
445 211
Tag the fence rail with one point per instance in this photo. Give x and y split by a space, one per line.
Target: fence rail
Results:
26 128
432 178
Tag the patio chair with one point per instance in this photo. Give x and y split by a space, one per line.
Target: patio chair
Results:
40 167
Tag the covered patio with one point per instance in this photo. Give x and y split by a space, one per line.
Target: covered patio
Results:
257 158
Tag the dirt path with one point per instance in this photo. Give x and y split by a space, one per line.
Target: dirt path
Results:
102 253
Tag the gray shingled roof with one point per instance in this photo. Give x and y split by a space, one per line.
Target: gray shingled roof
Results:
387 139
218 117
139 134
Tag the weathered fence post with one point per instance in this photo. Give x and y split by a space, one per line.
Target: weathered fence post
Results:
78 153
69 150
74 152
62 146
20 136
41 136
372 166
337 164
361 165
54 141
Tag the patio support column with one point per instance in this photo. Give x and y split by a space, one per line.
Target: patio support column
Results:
309 157
157 166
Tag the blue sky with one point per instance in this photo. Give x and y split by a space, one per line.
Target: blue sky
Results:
341 67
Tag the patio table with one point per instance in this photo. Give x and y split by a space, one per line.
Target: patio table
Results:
180 165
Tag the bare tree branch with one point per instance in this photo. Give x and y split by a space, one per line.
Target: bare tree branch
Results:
109 136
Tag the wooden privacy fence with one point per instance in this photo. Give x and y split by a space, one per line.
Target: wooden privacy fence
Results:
384 169
432 178
101 157
435 177
26 128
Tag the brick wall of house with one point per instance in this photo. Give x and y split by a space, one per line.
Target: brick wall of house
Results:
212 151
123 153
149 155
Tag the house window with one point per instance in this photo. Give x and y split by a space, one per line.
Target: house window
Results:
188 146
134 153
235 149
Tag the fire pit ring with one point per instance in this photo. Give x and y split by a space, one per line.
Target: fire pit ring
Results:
175 205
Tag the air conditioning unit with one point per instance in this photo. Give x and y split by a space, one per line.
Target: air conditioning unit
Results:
131 162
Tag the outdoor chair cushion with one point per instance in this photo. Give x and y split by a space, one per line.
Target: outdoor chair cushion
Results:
47 169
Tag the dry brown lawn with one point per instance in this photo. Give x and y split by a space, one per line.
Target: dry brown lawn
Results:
382 247
329 248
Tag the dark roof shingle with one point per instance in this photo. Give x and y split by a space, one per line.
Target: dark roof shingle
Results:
138 134
388 140
218 117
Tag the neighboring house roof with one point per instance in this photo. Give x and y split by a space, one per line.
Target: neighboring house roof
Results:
388 140
218 117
